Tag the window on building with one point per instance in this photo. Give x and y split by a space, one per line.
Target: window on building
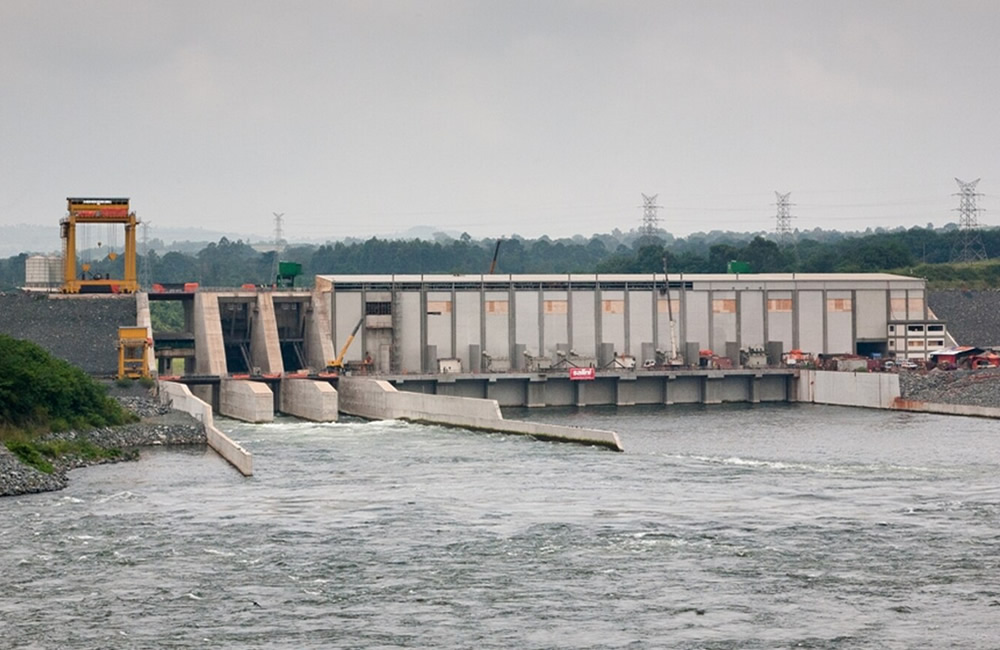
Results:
497 306
675 306
915 328
839 304
917 343
935 328
556 306
438 307
779 305
613 306
724 306
378 308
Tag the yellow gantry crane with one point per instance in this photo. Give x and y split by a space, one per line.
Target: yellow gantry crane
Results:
88 211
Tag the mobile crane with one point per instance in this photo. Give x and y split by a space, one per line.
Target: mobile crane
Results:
338 363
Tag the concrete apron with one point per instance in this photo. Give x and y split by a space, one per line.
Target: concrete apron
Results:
379 400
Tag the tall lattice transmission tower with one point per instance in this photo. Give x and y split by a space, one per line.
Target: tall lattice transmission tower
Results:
783 220
969 247
144 272
279 243
649 216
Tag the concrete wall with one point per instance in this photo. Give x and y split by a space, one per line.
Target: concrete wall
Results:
265 349
250 401
181 399
143 319
377 399
818 313
208 342
308 399
319 338
946 409
871 390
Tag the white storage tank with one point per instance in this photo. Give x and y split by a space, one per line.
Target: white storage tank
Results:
43 272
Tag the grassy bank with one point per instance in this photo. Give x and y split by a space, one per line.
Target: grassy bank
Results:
41 395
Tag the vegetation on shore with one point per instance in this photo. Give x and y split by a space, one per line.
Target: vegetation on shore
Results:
40 394
920 251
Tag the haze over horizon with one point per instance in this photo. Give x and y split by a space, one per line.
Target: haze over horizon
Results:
367 118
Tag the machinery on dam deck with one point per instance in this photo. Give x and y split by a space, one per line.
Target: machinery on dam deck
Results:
109 212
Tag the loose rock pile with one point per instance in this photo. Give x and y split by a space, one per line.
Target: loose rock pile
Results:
160 426
970 387
82 331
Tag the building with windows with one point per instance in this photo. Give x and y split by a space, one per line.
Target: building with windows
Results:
479 323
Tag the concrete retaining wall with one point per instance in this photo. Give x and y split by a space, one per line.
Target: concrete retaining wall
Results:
181 399
309 399
901 404
377 400
871 390
250 401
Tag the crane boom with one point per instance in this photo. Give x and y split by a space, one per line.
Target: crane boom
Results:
338 363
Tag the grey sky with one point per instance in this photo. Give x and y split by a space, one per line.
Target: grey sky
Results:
365 118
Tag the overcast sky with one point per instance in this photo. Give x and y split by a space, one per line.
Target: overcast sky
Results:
498 118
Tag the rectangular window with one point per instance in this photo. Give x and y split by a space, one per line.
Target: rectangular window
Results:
556 306
919 344
378 308
438 307
675 305
497 306
613 306
935 343
892 329
839 304
779 305
724 306
915 328
935 328
892 344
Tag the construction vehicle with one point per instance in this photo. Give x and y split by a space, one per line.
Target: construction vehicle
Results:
496 252
338 363
675 358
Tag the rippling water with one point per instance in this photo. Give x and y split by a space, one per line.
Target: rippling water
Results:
777 526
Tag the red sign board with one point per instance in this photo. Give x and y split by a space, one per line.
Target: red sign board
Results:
578 374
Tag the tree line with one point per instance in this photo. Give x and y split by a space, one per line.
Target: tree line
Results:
228 263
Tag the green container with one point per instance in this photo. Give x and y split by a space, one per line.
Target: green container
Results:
286 269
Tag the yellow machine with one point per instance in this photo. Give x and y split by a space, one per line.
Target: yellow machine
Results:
338 363
84 211
134 348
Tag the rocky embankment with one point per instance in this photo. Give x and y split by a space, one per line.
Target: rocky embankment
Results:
970 387
160 425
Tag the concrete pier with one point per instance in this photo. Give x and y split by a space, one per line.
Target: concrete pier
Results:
265 349
308 399
871 390
181 399
211 357
250 401
379 400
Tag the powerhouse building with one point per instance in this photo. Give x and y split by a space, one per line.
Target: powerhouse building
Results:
478 323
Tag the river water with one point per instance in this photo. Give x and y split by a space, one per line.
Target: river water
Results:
721 527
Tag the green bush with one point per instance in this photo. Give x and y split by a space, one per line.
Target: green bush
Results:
123 382
38 391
